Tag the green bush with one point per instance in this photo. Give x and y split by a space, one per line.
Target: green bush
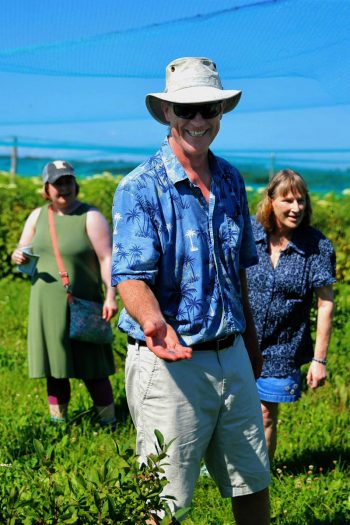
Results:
331 214
117 491
73 476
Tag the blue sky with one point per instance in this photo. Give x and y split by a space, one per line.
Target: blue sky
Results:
77 72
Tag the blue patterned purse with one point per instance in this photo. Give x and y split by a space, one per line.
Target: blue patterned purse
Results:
86 323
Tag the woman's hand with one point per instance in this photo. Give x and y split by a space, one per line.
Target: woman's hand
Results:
19 257
109 309
316 375
26 239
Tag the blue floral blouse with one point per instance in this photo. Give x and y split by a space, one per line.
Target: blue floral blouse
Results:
281 297
189 252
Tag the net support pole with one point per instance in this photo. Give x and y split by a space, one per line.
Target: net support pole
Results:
272 165
13 170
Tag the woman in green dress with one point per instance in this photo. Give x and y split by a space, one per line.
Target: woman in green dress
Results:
84 241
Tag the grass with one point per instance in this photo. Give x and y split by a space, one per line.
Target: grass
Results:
310 484
310 473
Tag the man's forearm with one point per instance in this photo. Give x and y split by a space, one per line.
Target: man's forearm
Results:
140 301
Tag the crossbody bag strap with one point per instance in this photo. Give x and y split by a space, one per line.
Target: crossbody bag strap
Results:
61 270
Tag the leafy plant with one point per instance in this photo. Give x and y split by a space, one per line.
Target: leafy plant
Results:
129 493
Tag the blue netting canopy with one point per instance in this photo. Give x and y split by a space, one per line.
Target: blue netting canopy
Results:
93 62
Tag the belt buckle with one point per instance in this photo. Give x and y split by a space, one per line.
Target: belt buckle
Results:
217 343
230 339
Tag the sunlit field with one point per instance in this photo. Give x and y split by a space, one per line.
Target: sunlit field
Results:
80 473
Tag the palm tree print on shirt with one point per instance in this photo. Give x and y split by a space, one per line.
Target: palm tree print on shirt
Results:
190 234
117 217
120 251
181 248
136 254
189 262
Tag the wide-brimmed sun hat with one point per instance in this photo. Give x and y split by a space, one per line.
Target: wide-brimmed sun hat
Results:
191 80
57 169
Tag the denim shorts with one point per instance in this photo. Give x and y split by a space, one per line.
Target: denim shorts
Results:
210 405
280 389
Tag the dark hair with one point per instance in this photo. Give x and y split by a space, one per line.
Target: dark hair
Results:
282 183
45 193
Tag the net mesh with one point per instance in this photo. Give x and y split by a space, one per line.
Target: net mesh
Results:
283 54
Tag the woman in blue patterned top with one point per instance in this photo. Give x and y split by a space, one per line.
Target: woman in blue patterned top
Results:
296 261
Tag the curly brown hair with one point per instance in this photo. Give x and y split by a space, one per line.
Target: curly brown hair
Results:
282 183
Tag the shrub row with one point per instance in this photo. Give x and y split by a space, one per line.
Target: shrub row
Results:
43 492
331 214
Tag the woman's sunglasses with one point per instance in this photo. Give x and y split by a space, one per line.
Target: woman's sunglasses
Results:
189 111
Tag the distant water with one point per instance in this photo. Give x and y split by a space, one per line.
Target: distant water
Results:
255 171
32 166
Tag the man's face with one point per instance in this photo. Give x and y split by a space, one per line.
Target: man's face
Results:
191 136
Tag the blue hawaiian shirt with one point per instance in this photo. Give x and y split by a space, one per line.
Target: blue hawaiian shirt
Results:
281 297
189 252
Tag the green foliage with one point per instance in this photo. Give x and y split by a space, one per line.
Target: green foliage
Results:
116 491
73 475
331 214
80 474
98 191
308 497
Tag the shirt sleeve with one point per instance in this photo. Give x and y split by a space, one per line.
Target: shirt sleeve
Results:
323 264
135 240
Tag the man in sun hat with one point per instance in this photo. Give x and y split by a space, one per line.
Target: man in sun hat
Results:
182 241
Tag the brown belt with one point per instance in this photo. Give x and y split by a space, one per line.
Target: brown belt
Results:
215 344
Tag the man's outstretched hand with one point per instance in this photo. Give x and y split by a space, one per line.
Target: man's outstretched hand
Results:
162 340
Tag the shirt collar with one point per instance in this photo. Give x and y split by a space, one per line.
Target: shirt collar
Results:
259 232
174 168
297 243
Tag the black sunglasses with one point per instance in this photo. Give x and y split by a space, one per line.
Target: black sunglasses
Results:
189 111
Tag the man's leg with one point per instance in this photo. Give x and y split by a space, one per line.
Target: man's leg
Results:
237 456
252 509
181 400
270 415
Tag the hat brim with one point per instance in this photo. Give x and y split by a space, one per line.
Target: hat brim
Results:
194 95
52 179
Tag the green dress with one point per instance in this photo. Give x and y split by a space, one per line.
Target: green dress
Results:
50 351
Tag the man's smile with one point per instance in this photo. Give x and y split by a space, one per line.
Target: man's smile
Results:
193 133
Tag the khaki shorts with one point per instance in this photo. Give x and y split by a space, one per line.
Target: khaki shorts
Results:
211 406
